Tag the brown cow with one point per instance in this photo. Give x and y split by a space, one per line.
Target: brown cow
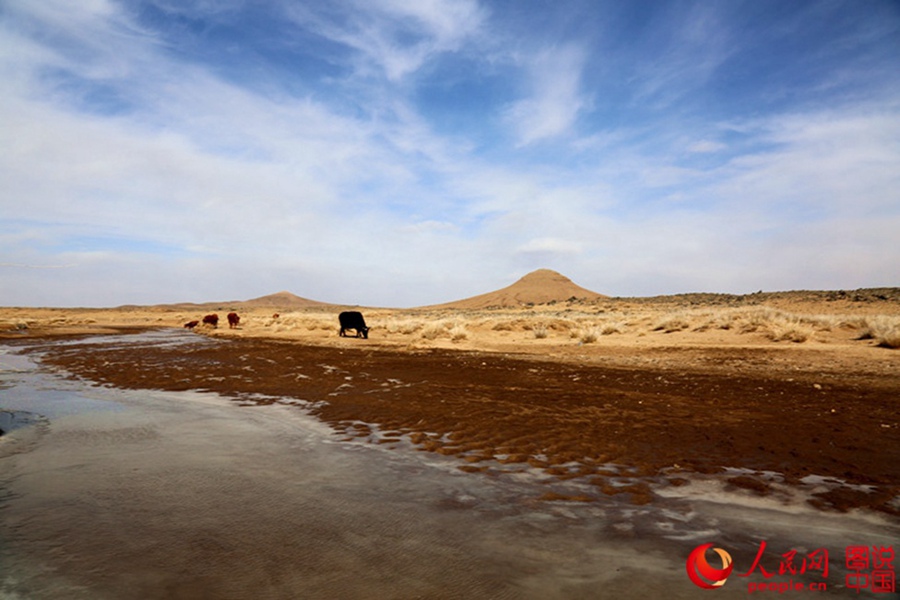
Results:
191 324
212 319
233 320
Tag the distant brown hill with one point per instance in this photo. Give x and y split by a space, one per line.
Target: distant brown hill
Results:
538 287
281 300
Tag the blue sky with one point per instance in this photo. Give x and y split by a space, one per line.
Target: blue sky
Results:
400 153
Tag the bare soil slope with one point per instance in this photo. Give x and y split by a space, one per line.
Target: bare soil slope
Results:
282 300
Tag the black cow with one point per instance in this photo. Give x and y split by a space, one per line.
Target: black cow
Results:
353 320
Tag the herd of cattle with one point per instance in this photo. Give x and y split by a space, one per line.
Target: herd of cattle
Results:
213 321
348 320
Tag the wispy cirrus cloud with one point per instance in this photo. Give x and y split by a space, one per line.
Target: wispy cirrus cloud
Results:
554 97
171 151
822 164
394 38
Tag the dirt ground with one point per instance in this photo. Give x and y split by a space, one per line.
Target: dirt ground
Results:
625 414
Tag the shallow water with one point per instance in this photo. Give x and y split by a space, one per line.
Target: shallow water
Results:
108 493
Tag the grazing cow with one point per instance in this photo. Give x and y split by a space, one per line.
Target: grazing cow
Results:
233 320
212 319
353 320
191 324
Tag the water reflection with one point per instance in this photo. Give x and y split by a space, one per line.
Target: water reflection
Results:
137 494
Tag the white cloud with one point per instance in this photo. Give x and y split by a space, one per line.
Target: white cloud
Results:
549 246
555 98
199 165
22 266
426 227
835 163
705 147
449 22
396 38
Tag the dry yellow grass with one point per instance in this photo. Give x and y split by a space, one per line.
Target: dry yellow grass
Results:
885 330
726 325
533 329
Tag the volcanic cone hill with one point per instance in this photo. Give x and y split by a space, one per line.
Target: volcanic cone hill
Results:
284 300
538 287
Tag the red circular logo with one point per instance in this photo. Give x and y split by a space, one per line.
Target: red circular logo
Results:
705 575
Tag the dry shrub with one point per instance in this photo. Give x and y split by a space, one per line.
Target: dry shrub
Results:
774 324
883 329
540 332
611 328
285 322
504 325
453 329
854 322
754 319
789 330
404 326
458 332
295 321
323 322
725 319
823 322
672 323
562 325
433 331
589 336
787 327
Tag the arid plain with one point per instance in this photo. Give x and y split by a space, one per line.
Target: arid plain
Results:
768 391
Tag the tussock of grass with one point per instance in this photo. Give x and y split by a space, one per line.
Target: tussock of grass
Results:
511 324
756 319
432 331
455 330
789 331
774 324
287 322
589 336
673 323
883 329
611 328
404 326
458 333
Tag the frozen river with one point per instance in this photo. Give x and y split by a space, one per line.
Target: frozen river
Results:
120 494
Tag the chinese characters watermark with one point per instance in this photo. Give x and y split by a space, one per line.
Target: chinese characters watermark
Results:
868 568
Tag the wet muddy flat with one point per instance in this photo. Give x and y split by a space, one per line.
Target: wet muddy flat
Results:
616 430
154 488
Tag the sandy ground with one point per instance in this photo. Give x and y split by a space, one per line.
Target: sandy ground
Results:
626 396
